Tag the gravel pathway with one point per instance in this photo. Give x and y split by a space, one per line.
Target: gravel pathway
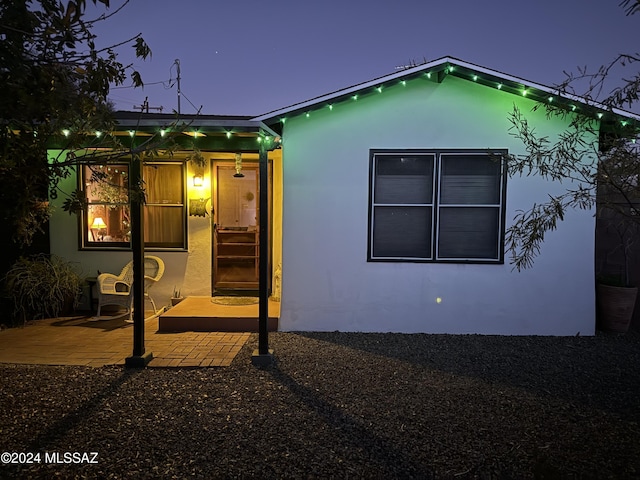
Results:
340 405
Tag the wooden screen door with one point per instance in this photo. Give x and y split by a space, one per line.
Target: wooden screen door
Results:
236 228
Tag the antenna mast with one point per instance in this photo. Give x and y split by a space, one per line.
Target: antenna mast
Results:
177 64
144 108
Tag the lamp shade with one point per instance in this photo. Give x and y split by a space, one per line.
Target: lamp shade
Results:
98 222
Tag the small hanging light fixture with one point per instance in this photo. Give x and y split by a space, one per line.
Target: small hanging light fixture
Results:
198 177
238 173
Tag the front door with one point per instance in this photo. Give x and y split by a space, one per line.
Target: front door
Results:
236 227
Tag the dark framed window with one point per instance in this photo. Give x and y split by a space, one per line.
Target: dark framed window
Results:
106 221
436 206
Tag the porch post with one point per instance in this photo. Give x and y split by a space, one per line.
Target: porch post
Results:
139 358
263 356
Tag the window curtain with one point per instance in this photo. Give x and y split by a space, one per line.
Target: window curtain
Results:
164 209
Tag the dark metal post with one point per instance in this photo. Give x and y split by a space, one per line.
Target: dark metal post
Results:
263 356
139 358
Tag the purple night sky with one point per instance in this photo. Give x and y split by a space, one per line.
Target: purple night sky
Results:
251 57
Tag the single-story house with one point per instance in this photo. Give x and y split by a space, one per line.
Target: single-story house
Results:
387 209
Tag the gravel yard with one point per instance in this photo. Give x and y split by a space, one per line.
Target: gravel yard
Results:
340 405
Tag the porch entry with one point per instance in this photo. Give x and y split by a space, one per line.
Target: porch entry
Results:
236 227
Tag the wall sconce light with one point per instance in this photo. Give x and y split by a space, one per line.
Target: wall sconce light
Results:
198 180
238 173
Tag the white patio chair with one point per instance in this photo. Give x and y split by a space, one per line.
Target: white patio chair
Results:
117 289
153 271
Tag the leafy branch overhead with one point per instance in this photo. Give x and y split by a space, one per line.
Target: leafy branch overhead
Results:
596 168
55 78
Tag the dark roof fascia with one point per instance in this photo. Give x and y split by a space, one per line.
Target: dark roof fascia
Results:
206 132
437 71
205 123
128 115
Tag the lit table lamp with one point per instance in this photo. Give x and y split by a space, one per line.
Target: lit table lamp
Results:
99 225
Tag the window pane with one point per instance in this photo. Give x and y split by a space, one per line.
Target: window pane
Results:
163 183
471 179
163 226
108 223
401 179
107 216
107 183
402 232
467 232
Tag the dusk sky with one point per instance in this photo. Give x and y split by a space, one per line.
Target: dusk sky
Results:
251 57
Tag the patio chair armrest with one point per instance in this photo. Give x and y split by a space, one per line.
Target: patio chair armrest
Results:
112 285
121 288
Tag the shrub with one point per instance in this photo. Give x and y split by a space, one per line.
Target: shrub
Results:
42 286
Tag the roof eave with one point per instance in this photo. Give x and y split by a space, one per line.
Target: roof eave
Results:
437 71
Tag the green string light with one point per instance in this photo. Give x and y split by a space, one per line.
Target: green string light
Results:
525 92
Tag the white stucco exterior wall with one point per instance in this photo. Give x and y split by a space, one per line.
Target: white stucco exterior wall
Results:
64 233
188 271
327 283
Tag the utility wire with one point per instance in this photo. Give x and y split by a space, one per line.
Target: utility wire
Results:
194 107
166 83
133 86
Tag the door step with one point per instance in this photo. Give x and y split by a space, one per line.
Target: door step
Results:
200 314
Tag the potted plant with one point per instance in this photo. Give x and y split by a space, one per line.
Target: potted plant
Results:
615 293
43 286
176 297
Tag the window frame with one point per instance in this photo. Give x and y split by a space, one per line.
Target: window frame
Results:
84 243
437 205
182 205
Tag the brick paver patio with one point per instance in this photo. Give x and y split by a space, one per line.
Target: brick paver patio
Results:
81 341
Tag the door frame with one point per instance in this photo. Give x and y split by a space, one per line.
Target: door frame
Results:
250 162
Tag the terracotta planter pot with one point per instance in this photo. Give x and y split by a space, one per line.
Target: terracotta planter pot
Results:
615 307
